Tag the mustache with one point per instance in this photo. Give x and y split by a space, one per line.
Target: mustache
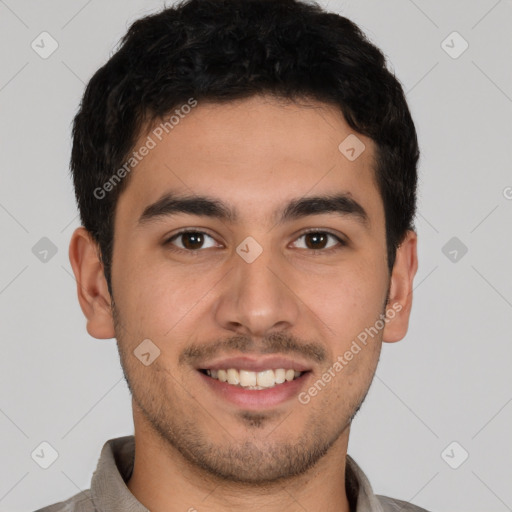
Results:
279 343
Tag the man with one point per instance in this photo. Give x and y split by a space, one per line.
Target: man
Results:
246 177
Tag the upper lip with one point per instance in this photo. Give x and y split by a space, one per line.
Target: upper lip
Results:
254 363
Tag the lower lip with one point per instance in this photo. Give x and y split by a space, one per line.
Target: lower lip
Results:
257 398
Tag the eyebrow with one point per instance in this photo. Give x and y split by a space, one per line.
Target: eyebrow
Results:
171 204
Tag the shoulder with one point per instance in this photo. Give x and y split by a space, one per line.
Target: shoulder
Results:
80 502
393 505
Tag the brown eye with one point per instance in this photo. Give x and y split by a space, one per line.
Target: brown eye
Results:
316 240
319 240
191 240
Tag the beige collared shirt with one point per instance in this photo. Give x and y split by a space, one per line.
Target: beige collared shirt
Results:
109 493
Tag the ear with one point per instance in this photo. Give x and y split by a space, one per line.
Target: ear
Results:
399 303
92 288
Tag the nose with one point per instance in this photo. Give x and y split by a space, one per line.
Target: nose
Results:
256 298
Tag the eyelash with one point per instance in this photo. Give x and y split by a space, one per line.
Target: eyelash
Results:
168 243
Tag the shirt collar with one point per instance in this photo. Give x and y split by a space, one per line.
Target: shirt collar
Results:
110 493
108 484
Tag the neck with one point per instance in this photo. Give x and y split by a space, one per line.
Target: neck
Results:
164 481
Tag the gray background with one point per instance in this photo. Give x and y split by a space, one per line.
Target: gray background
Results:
448 380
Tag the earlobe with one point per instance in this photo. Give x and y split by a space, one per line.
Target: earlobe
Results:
399 304
92 289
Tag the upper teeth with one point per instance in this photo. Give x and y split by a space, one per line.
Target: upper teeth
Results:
254 380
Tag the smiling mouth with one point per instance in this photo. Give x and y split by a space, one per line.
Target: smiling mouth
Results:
254 380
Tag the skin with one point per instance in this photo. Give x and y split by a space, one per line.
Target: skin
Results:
194 449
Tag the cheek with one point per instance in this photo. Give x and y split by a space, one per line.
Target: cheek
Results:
155 298
348 301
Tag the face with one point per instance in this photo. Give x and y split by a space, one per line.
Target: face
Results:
249 247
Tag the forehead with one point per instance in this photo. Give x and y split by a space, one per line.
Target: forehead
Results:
253 154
